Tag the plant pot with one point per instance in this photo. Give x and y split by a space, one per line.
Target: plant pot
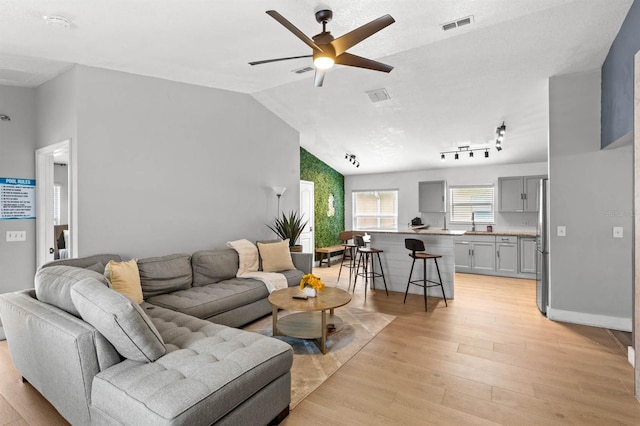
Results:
295 249
310 292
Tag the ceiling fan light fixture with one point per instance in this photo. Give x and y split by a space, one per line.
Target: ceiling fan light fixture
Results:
323 62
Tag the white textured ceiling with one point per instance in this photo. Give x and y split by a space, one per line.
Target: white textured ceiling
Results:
447 89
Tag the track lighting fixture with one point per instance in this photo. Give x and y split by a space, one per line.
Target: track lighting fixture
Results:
456 154
500 132
352 159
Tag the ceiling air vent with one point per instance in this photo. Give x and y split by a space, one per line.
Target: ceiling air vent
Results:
378 95
457 23
302 70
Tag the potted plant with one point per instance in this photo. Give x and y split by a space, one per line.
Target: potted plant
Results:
289 227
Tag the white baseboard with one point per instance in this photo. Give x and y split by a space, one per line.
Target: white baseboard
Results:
631 356
604 321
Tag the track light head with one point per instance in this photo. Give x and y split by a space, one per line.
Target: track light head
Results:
471 154
486 154
442 157
455 157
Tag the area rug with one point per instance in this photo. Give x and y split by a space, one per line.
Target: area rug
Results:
310 367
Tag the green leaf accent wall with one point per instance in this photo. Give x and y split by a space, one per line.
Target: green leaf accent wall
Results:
327 182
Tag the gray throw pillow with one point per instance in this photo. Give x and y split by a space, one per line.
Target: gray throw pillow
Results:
53 285
120 320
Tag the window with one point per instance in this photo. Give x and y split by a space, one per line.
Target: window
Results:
56 204
375 210
476 199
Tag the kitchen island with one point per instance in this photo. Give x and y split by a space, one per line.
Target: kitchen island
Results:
397 263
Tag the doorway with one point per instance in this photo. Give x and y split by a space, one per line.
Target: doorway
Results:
307 209
56 202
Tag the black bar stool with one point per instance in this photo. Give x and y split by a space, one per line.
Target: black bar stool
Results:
366 254
348 256
418 252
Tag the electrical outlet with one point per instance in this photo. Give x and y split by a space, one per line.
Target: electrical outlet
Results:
13 236
617 232
562 231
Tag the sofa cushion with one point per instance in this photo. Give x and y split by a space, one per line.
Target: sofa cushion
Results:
53 285
207 301
212 266
84 262
165 274
119 319
276 257
293 277
209 371
125 278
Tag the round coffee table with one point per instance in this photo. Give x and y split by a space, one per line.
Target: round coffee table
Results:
312 321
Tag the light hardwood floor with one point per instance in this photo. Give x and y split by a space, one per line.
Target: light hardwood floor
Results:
488 358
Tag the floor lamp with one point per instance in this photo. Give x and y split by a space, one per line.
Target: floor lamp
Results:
279 190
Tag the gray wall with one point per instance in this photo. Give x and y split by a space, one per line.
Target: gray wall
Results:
166 167
17 159
407 185
163 167
617 80
591 192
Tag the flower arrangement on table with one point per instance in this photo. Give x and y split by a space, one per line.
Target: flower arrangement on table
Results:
311 284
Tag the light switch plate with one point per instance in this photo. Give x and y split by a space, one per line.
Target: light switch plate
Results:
562 231
13 236
617 232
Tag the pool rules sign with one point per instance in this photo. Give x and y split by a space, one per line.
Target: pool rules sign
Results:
17 198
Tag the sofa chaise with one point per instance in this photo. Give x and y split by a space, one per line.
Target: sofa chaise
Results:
175 358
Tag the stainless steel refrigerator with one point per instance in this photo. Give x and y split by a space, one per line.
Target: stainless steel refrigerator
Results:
542 247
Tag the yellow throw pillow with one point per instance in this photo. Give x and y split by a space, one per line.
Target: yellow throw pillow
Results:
125 278
276 257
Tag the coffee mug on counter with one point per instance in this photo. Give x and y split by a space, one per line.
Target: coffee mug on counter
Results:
489 228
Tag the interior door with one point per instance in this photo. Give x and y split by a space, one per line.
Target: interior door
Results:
307 201
44 200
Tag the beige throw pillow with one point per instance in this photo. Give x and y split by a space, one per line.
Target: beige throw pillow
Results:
276 257
125 278
247 255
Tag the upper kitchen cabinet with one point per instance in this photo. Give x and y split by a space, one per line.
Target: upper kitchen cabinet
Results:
518 193
432 196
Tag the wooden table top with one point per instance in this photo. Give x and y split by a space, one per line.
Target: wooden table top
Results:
329 298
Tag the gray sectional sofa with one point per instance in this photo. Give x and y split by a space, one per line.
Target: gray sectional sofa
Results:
100 358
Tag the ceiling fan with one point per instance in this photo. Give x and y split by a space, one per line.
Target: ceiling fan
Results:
327 50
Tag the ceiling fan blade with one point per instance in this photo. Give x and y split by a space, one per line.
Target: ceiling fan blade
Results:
350 39
266 61
319 79
288 25
360 62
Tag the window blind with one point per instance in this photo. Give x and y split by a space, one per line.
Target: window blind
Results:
375 210
478 199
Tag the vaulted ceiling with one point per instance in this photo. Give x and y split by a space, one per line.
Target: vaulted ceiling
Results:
447 89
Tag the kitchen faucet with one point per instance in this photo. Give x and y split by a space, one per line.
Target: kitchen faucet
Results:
473 221
444 222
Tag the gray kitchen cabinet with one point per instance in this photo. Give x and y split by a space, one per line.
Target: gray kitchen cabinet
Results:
462 253
518 193
483 257
527 255
531 192
475 254
432 196
507 255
